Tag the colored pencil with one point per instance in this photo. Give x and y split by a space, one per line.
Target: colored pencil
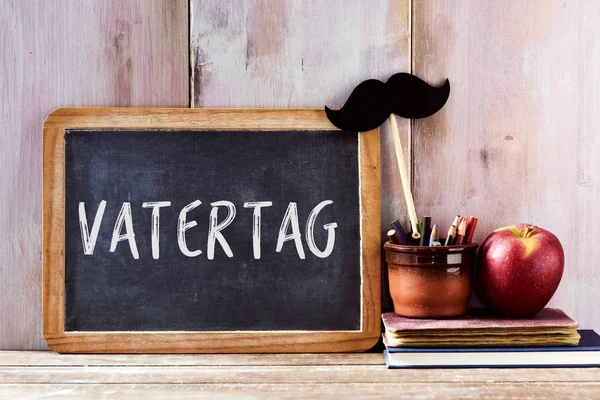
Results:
451 236
462 230
456 221
434 239
426 231
456 224
391 234
471 225
400 233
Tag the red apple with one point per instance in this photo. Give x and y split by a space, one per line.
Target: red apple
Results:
519 269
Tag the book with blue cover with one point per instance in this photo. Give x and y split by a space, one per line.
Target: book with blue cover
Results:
586 354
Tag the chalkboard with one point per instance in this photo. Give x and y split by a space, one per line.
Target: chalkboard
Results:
242 231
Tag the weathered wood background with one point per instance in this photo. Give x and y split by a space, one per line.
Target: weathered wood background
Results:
518 140
269 53
515 143
61 53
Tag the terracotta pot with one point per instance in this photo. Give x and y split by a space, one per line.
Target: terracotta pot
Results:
430 282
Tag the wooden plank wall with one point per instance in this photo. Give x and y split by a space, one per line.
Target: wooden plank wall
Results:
69 53
271 53
518 140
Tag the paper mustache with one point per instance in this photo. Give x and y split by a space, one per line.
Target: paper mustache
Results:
372 102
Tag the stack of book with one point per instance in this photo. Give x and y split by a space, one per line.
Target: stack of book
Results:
549 339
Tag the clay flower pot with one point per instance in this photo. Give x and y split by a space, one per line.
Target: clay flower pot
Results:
430 282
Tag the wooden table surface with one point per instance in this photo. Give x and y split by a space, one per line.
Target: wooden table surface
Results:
43 374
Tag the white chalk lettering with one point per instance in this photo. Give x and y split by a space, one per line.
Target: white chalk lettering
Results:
183 226
310 227
89 239
129 235
290 217
214 229
257 205
289 230
155 230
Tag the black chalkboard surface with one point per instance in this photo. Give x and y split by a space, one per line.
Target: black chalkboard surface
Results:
209 230
290 289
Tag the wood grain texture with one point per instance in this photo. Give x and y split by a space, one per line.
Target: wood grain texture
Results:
50 358
67 53
53 305
399 390
33 374
518 139
308 374
271 53
372 362
370 226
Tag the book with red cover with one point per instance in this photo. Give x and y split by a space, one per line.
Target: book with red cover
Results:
551 327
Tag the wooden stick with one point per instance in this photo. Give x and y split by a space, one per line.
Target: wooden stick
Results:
410 203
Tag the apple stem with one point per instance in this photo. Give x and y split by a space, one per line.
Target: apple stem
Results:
529 231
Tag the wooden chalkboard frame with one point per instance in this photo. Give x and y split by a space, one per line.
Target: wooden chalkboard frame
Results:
53 285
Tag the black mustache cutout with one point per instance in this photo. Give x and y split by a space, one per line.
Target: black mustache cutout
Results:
372 102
